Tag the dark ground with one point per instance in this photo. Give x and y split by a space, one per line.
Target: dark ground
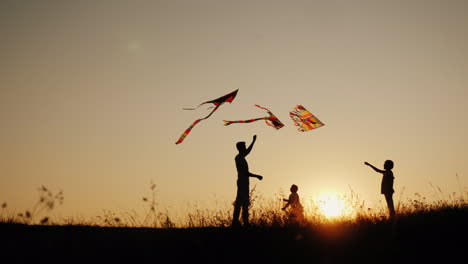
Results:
430 238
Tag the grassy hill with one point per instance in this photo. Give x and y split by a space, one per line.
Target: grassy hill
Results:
430 236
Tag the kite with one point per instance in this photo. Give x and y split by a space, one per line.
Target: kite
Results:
270 120
304 119
228 98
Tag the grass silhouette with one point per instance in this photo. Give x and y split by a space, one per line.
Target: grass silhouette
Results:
47 202
424 231
265 212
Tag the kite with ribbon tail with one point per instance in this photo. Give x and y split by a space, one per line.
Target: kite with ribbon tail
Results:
304 119
228 98
270 120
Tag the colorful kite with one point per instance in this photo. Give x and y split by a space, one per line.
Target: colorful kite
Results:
228 98
304 119
270 120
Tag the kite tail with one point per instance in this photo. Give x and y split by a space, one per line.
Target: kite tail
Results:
227 122
269 112
187 131
262 108
195 107
270 120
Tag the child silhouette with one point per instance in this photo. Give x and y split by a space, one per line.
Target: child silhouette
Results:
386 187
243 175
296 212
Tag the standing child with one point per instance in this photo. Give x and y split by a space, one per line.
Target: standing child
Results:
386 187
243 175
296 212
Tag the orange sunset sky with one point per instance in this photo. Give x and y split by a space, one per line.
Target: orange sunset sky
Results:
91 98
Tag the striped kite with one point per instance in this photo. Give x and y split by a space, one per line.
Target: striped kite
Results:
228 98
270 120
304 119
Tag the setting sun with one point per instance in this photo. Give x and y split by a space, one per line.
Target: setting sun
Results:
331 205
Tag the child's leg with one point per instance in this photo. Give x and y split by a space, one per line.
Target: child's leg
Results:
391 208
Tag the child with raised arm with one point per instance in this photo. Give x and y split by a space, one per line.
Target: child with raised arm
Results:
296 212
243 175
386 187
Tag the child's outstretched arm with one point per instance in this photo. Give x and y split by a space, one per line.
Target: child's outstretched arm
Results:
373 167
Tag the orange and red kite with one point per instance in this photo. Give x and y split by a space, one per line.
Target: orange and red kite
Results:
304 119
270 120
228 98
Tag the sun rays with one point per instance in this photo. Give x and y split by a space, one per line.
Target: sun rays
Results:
331 205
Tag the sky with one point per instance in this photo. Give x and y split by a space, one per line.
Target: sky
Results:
91 98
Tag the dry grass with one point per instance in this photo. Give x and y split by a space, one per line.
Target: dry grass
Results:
264 212
38 213
425 232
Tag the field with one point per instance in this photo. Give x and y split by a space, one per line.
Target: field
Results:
423 233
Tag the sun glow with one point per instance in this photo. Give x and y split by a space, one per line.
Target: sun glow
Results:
331 205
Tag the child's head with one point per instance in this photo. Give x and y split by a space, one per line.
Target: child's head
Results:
241 146
294 188
388 165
